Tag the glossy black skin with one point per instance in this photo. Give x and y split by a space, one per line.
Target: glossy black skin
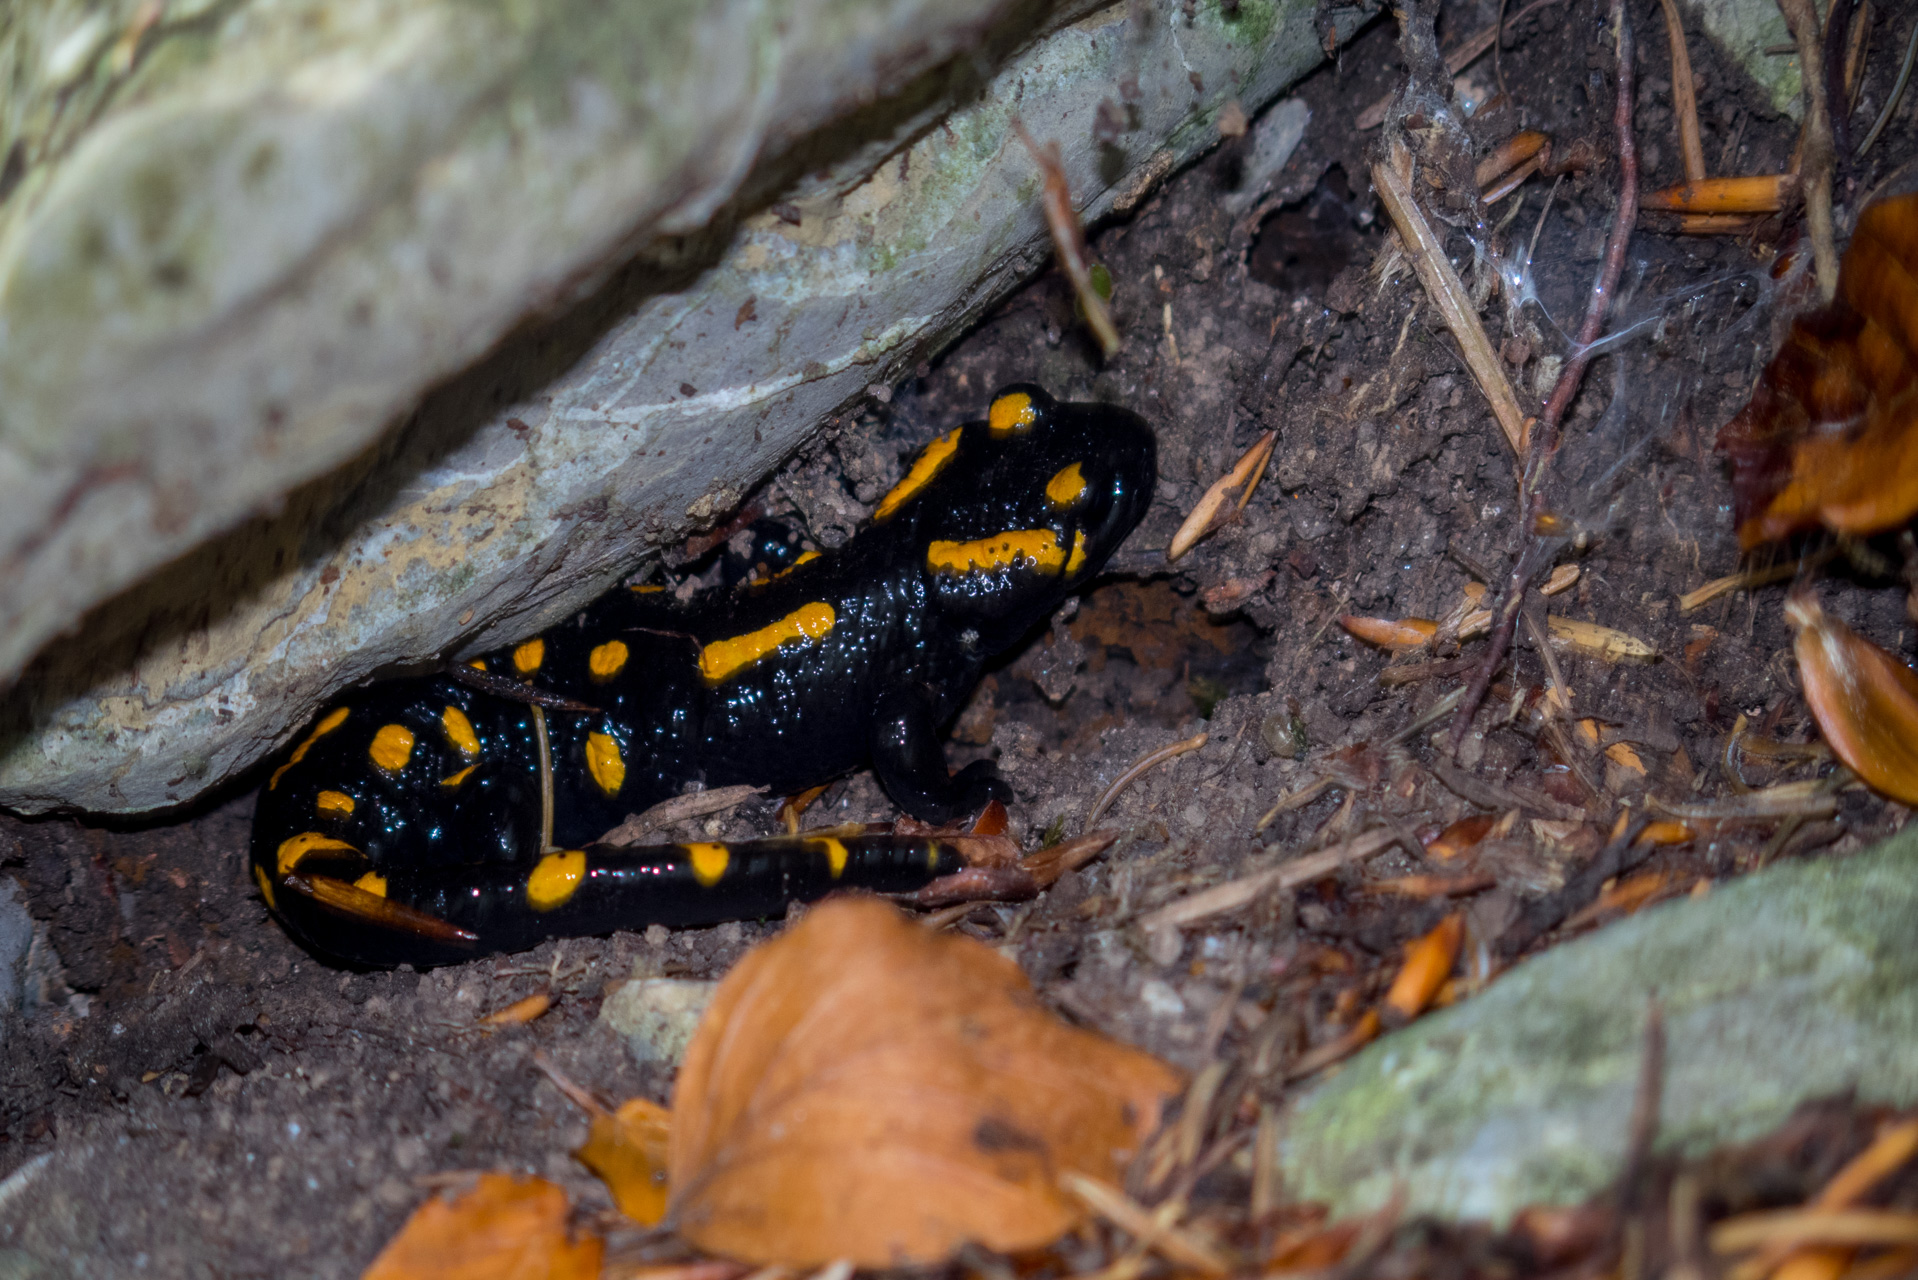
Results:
906 648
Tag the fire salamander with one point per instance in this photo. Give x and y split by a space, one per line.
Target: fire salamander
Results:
432 819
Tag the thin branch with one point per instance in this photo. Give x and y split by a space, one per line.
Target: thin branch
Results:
1536 547
1447 291
1803 20
1684 96
1897 93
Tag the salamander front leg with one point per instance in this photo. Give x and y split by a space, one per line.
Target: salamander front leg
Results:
911 763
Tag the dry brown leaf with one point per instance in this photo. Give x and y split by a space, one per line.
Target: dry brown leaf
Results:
1390 633
504 1229
1234 487
627 1148
1606 643
1830 435
1428 962
1459 837
521 1011
1864 699
863 1088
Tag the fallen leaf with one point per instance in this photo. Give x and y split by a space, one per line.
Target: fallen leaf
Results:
1622 755
866 1089
1666 833
504 1229
1390 633
1864 699
1210 512
521 1011
1830 435
1428 962
1459 837
1509 155
1561 580
627 1148
1606 643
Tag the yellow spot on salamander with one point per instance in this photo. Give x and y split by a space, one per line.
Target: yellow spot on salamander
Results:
607 660
527 657
372 882
1066 488
1011 413
1076 561
709 861
478 664
1037 547
648 589
459 733
334 719
295 848
266 887
334 804
724 658
459 777
835 851
604 763
555 879
392 747
931 461
805 557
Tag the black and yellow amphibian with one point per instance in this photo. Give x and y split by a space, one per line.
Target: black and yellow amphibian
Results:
407 823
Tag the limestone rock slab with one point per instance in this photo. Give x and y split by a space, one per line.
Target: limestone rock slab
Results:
243 236
534 479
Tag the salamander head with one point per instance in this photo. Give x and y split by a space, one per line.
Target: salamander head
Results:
1029 505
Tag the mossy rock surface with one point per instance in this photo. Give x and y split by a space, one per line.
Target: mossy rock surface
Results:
1786 986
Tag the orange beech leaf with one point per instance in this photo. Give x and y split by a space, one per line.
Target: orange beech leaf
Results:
521 1011
1389 633
1830 436
1428 962
504 1229
1622 755
1864 699
863 1088
1460 836
1666 833
627 1148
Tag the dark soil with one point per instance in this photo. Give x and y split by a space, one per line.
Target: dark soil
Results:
227 1105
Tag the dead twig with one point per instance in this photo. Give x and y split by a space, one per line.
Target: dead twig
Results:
1234 894
1760 193
1069 240
1897 92
1535 550
1458 57
1817 146
1132 775
679 809
1691 145
1157 1230
1745 579
1392 178
1815 799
